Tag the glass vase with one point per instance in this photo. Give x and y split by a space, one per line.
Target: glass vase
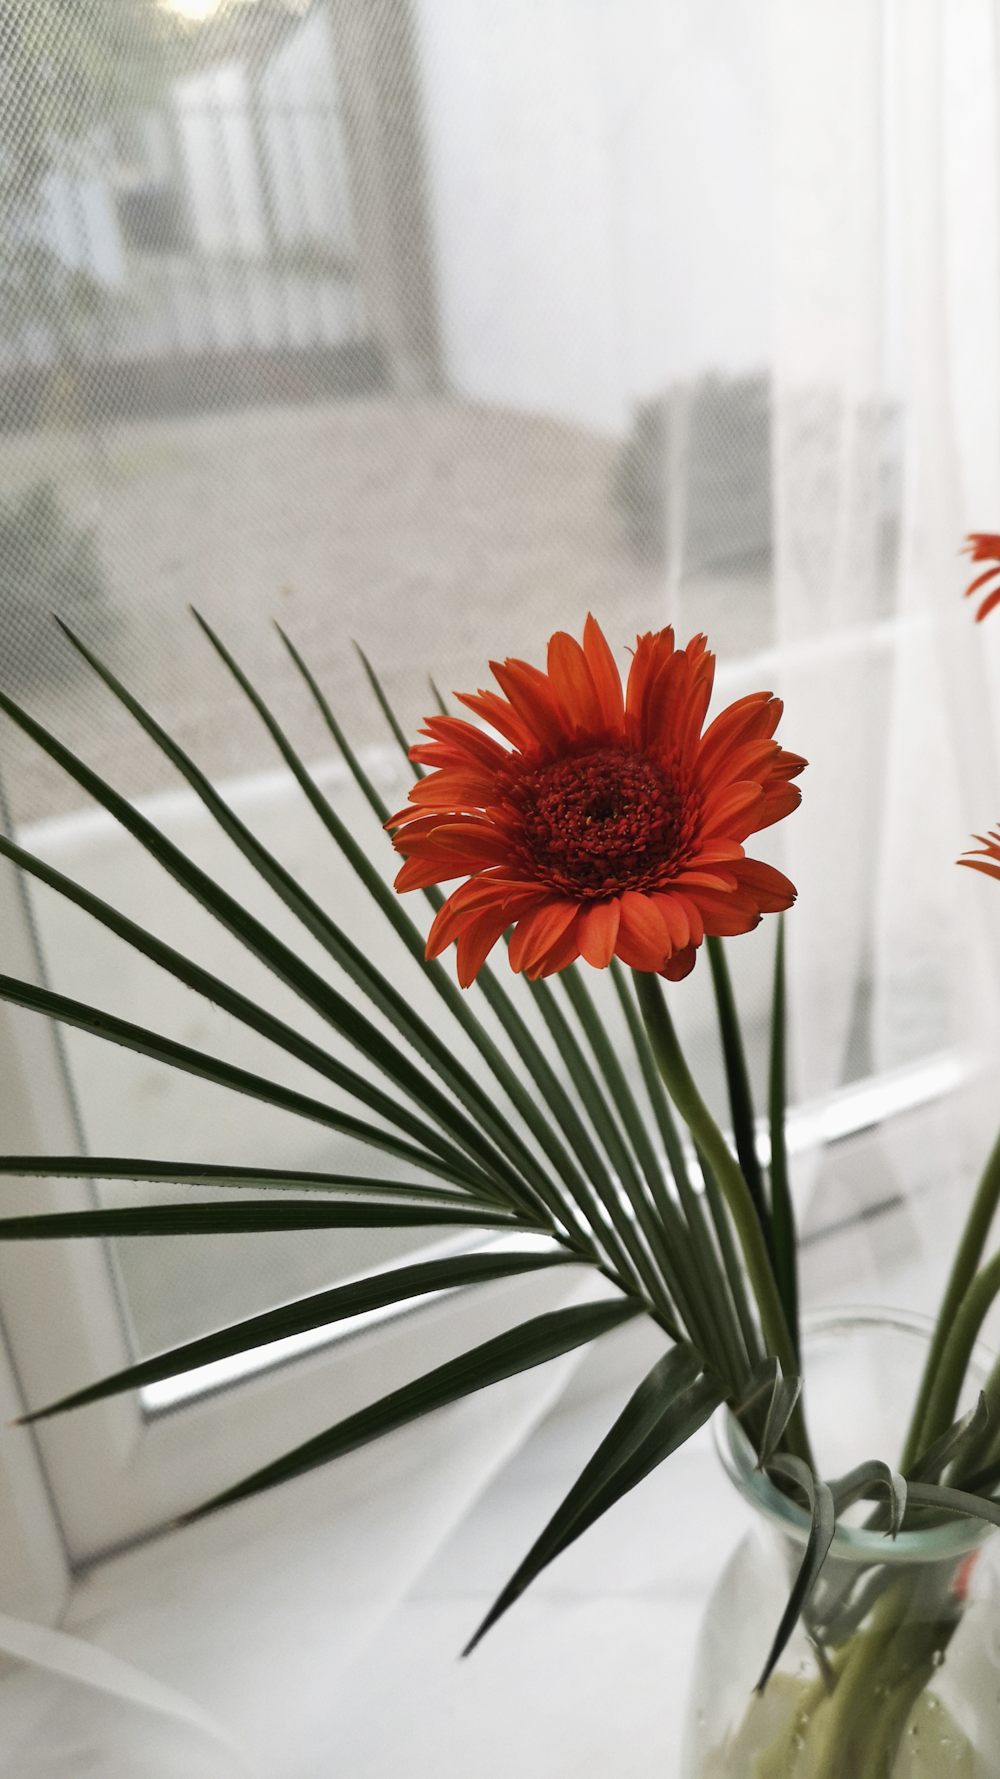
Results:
894 1670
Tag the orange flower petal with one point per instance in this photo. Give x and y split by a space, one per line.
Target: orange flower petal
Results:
989 849
596 931
779 801
662 718
651 652
719 880
726 915
643 942
981 580
981 865
536 932
696 926
458 741
475 942
470 837
447 854
750 760
607 679
979 545
498 713
673 912
770 889
716 852
731 809
478 897
680 965
750 719
573 685
702 680
531 695
559 956
984 546
454 789
494 886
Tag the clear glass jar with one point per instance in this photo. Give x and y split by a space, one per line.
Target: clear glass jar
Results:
897 1673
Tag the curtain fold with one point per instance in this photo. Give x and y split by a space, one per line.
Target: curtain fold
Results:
886 435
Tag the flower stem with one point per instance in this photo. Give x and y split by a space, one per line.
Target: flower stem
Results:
880 1754
784 1246
962 1274
961 1336
692 1108
848 1721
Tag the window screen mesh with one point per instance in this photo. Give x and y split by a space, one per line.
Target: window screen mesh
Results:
412 322
394 320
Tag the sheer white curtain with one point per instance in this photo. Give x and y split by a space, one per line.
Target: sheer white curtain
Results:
885 311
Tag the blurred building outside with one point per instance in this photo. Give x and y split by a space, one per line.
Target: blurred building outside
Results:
217 223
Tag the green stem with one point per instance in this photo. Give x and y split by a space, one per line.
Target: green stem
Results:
707 1135
961 1338
846 1721
962 1273
784 1245
880 1752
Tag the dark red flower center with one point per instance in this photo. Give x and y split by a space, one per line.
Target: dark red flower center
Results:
599 823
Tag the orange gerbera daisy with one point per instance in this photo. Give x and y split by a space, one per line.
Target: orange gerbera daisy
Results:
984 546
609 826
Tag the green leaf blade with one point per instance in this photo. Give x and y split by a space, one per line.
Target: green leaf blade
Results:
673 1400
955 1501
737 1080
221 1174
438 1158
123 1222
963 1434
822 1525
284 963
784 1398
864 1480
214 990
532 1343
305 1314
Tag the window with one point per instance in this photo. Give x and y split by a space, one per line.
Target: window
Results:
433 327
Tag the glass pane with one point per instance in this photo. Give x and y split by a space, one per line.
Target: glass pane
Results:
417 325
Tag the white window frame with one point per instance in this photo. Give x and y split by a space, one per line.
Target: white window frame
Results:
114 1472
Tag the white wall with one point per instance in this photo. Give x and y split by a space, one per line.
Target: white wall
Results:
597 174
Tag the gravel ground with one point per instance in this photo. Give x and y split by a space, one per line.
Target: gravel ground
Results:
433 532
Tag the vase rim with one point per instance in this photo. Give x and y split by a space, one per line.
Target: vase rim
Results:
853 1543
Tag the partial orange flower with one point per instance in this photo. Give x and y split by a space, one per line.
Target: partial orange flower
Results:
984 546
607 826
986 856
